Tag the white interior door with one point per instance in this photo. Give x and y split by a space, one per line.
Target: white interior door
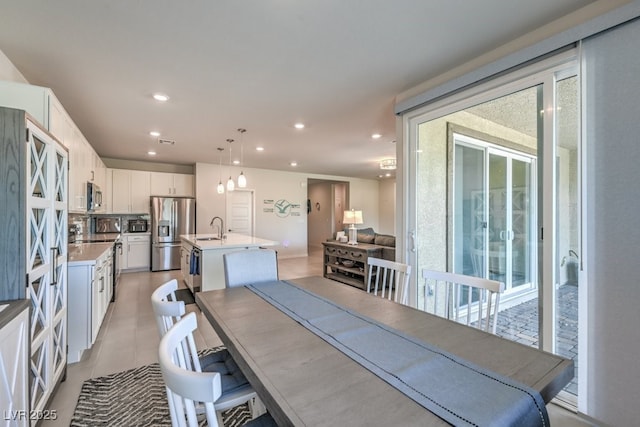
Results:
240 212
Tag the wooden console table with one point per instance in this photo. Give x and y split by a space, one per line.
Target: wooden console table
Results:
349 263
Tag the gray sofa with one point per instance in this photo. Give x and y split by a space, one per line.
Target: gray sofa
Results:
387 241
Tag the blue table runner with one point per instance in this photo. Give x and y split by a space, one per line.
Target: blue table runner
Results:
454 389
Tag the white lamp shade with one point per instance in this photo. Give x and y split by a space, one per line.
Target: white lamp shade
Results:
220 188
231 185
242 180
352 217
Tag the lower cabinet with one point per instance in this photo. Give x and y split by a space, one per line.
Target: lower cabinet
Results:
90 288
14 363
137 252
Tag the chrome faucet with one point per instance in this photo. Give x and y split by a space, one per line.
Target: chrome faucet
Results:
220 228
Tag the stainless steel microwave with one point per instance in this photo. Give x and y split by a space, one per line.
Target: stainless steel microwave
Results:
94 197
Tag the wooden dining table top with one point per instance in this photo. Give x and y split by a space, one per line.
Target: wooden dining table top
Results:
304 380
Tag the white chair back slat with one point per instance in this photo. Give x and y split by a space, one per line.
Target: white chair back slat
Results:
446 287
390 279
187 388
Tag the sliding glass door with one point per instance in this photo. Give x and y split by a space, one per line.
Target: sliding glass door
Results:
492 185
494 191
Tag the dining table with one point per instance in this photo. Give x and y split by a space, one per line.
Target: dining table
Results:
305 381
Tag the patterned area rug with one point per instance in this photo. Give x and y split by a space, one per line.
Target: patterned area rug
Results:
136 397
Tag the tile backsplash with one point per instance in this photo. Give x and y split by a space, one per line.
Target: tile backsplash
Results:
85 223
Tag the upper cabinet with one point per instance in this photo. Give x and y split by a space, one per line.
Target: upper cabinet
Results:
84 163
171 184
130 191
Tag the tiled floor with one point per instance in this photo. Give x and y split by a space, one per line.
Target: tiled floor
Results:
520 323
129 338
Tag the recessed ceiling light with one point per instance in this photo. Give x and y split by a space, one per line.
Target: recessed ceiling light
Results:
151 153
294 164
259 148
376 136
236 162
299 126
154 133
160 97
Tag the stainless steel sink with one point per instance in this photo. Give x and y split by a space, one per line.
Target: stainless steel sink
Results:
207 238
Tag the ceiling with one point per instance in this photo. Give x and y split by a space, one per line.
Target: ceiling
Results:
262 65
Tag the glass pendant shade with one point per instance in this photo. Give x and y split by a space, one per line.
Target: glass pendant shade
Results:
242 180
220 187
231 185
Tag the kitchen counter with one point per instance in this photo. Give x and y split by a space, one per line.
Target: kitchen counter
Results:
10 309
86 253
211 258
232 241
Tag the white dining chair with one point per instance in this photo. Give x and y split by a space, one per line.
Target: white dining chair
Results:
235 387
191 392
166 307
250 266
390 279
474 301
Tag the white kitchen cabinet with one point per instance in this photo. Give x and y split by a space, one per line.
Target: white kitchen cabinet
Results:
130 191
84 163
35 100
90 287
14 362
172 184
137 250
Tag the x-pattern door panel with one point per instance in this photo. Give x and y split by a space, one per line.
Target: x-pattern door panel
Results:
46 262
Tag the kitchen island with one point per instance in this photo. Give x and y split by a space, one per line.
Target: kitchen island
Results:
203 253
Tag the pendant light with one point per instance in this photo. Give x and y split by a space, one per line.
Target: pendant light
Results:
230 184
220 187
242 180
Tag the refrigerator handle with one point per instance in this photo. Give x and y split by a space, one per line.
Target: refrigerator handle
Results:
174 217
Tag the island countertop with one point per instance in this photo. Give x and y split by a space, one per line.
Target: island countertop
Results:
207 242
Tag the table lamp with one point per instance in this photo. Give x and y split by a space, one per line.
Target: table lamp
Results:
352 217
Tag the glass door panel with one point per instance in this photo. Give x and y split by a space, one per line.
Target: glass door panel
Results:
521 223
567 225
498 246
475 201
470 220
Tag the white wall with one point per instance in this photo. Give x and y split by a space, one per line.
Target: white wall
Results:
289 230
8 71
387 207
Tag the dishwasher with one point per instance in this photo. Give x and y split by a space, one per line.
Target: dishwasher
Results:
195 269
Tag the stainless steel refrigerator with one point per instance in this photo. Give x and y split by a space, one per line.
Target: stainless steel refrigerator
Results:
170 217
